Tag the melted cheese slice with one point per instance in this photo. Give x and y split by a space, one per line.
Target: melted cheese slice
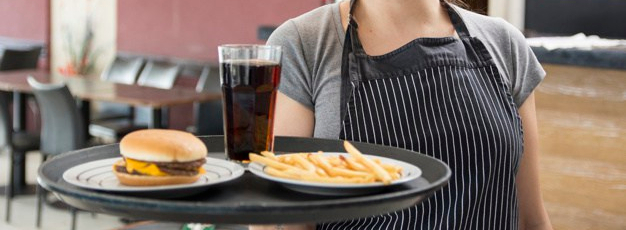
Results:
143 168
146 168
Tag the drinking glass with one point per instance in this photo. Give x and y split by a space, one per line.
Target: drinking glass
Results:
250 75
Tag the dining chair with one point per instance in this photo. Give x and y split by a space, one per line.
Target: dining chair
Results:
123 70
62 128
19 59
154 74
16 144
208 118
159 75
14 59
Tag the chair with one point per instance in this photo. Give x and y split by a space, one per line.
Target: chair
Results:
208 118
62 128
154 74
14 59
123 70
16 145
159 75
18 59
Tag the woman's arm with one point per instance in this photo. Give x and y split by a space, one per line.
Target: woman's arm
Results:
290 119
533 215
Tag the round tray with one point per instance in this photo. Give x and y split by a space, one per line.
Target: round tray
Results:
249 199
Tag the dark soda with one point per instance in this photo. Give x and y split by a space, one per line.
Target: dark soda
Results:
249 94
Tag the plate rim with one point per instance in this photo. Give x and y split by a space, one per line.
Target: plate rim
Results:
259 170
237 172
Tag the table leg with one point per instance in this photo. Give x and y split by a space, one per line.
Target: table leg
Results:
155 122
19 111
85 110
19 125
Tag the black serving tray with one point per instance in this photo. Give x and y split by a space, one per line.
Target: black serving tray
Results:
249 199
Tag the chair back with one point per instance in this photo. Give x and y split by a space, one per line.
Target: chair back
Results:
62 129
14 59
6 130
208 115
159 75
123 70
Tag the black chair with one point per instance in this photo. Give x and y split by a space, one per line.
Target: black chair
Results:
16 144
18 59
208 119
14 59
123 70
154 74
62 128
159 75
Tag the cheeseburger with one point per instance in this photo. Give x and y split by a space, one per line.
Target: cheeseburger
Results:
160 157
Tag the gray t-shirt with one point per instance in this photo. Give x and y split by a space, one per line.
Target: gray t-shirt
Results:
312 49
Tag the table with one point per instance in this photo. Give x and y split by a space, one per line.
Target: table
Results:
91 88
249 199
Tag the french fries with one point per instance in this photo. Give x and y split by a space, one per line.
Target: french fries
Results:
317 167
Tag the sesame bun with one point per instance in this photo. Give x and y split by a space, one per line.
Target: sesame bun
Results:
162 145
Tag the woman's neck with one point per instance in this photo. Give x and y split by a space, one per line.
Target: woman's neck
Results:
399 12
388 24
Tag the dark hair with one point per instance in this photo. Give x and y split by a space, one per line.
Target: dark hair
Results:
460 3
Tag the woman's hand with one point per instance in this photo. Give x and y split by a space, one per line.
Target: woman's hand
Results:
533 215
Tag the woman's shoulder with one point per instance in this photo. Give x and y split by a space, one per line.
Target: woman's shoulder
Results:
509 49
311 26
492 29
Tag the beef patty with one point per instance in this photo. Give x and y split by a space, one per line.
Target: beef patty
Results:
172 168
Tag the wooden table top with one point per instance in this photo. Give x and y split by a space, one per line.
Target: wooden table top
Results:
94 89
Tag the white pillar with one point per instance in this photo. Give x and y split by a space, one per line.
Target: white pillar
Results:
510 10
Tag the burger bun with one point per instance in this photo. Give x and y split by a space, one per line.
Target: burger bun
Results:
139 180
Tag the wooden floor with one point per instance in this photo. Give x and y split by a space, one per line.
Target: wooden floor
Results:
582 125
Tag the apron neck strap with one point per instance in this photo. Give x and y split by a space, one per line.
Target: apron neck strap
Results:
455 18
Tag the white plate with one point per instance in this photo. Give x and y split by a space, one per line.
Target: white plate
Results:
409 172
98 175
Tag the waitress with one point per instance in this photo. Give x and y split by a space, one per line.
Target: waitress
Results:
431 77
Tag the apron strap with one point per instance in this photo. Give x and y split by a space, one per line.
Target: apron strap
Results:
457 21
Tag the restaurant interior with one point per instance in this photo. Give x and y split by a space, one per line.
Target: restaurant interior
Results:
147 64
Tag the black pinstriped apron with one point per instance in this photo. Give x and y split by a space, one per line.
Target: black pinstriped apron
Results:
443 97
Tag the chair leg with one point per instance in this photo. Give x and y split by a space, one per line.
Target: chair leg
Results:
9 188
74 211
40 196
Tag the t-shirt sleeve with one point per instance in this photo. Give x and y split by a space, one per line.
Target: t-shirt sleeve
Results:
295 79
525 70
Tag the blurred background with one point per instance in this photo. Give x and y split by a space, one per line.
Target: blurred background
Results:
581 105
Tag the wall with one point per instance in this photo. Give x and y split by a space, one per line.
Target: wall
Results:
194 28
15 13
